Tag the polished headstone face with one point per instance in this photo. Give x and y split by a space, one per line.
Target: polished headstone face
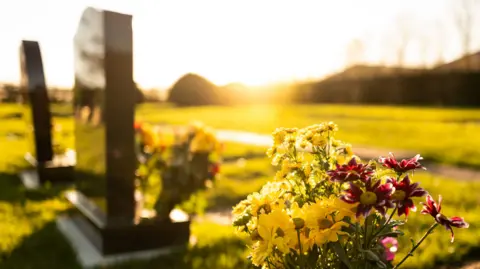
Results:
36 103
104 113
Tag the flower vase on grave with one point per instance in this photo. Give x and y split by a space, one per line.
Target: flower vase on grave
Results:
185 170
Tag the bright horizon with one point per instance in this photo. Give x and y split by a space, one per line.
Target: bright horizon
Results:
251 42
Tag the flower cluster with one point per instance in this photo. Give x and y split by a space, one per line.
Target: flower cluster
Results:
187 160
328 209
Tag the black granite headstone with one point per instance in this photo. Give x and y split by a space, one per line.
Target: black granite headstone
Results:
48 166
34 92
104 105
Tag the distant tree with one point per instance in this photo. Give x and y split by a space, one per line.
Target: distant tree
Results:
12 93
440 43
194 90
404 35
464 19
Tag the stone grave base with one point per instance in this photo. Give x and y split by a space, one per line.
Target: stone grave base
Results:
89 257
35 178
60 170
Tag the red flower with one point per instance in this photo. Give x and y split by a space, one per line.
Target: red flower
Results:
350 171
214 169
404 191
432 208
137 125
376 196
402 166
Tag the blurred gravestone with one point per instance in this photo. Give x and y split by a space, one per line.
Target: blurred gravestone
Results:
48 166
104 106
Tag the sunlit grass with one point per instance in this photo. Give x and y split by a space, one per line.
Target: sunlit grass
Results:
29 239
444 135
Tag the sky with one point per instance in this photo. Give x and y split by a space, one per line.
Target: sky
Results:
249 41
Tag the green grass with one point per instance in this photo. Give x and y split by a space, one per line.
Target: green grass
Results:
29 239
443 135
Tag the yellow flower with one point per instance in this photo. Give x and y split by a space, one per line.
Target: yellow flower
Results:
274 232
296 211
204 141
307 169
240 208
277 228
319 140
331 126
329 232
348 150
322 226
341 160
150 138
260 252
279 136
196 126
343 209
264 203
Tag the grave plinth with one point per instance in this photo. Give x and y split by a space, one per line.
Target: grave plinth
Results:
104 104
46 165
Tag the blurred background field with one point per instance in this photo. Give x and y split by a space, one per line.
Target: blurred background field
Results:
28 230
442 135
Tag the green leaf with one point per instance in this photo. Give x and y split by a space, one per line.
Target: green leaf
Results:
381 264
413 242
391 233
370 255
394 223
341 254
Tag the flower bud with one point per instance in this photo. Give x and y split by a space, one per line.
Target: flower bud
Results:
299 223
242 220
255 236
303 144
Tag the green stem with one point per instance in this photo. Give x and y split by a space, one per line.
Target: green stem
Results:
410 253
302 262
365 235
365 244
385 224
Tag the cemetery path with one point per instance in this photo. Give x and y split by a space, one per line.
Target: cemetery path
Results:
448 171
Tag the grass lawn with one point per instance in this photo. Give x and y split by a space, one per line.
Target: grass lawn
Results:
29 239
442 135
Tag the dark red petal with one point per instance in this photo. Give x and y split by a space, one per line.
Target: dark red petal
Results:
376 184
418 193
416 158
458 222
347 199
430 202
425 211
381 210
448 228
385 189
391 180
355 190
361 209
402 209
